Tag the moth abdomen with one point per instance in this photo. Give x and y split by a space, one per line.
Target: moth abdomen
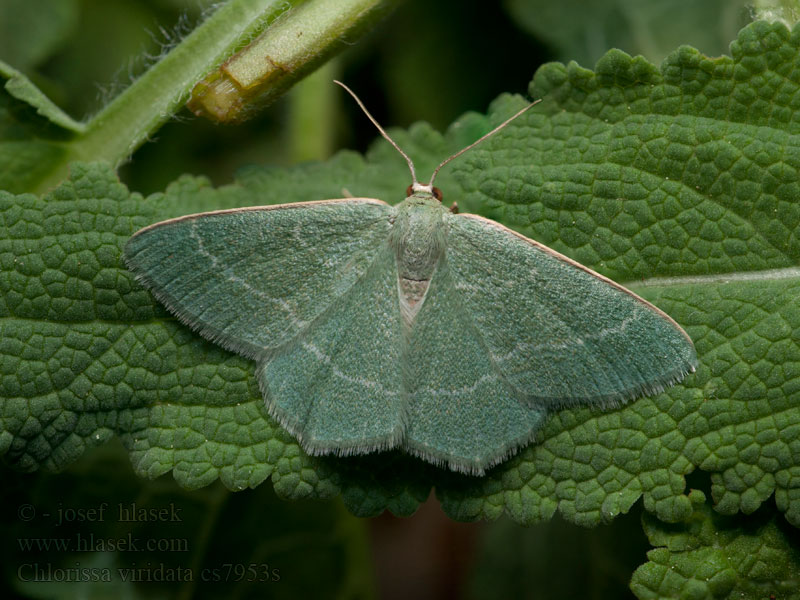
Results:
418 238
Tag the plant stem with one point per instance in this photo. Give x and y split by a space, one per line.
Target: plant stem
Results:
130 118
311 124
289 50
133 116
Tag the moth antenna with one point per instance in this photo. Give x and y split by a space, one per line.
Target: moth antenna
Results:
383 133
483 137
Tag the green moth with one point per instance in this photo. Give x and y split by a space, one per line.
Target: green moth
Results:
408 326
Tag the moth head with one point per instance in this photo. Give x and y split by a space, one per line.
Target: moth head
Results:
416 186
419 187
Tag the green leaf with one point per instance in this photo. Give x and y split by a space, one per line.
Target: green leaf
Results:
713 556
33 131
681 183
21 89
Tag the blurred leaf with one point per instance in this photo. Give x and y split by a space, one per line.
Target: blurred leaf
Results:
88 78
583 30
557 560
32 30
135 539
18 87
441 58
32 131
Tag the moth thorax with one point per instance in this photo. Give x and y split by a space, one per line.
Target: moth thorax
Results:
418 238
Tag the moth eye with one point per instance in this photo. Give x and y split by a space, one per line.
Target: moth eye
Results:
437 193
409 191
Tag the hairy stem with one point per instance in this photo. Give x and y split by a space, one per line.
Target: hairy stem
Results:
129 119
